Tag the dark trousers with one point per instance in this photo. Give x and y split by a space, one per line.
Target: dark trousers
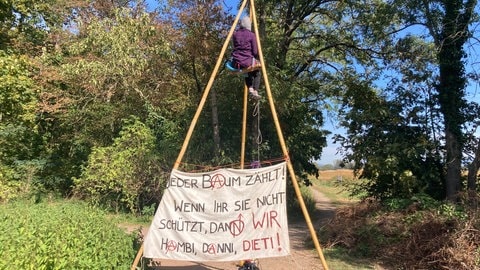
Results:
253 79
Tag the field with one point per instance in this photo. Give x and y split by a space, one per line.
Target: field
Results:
332 184
336 175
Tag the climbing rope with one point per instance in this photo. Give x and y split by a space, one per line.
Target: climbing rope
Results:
256 113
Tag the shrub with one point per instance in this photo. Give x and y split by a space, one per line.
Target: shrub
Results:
118 175
293 206
20 180
61 236
8 189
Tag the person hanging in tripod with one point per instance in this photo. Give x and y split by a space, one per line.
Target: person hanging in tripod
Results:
245 54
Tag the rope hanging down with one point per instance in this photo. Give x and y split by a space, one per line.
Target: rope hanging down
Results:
258 139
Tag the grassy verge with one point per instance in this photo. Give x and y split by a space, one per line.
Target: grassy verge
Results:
338 258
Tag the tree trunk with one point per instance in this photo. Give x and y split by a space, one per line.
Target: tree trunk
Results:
473 170
453 165
451 89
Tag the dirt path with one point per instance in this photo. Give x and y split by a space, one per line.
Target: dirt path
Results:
301 257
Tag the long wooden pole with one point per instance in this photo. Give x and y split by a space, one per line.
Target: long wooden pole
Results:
199 109
283 145
244 126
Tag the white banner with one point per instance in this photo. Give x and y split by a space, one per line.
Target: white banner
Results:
224 215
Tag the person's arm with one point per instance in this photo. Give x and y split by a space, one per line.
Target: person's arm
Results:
254 46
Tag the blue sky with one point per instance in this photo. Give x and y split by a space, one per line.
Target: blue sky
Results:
232 4
229 4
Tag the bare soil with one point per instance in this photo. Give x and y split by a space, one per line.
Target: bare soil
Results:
303 256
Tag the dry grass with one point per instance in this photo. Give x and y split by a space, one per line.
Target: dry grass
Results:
412 238
335 174
334 184
407 240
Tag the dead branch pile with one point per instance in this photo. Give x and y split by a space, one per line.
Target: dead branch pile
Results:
409 239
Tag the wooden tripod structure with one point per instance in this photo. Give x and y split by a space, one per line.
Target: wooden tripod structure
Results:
244 124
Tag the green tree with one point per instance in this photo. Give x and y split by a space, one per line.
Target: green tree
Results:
24 31
450 33
448 24
423 113
106 70
203 25
389 143
27 24
126 175
19 140
309 46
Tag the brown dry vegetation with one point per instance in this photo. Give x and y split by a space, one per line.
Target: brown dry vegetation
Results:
334 174
413 238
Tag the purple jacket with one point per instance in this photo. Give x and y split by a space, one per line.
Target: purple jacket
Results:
244 47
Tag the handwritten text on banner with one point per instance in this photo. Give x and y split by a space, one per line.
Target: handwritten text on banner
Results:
224 215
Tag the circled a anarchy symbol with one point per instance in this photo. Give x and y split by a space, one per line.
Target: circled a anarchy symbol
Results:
217 181
171 246
236 227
